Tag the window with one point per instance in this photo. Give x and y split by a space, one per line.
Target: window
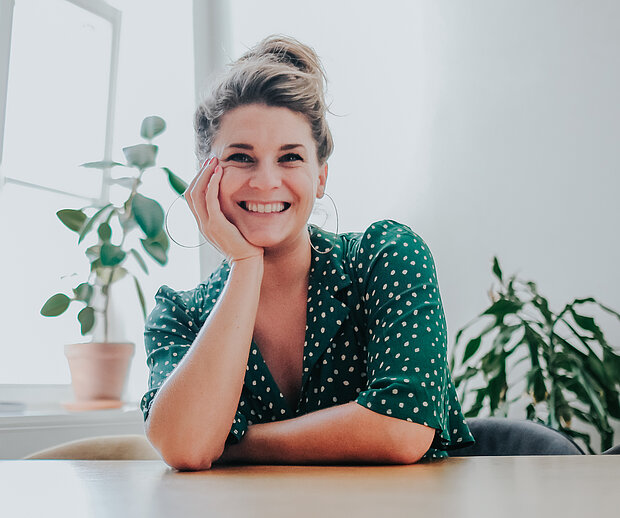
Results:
57 106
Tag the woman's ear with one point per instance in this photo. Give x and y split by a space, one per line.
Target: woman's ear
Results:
320 190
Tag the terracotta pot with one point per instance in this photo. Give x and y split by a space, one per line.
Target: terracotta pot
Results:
99 370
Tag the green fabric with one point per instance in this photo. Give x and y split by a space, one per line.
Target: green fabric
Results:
375 334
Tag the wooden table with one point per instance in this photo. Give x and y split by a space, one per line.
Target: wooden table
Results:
563 486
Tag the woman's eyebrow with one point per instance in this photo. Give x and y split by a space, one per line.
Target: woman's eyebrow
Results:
285 147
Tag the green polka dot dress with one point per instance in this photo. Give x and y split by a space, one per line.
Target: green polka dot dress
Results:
375 334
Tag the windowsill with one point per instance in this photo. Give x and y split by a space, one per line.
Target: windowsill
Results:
32 403
32 417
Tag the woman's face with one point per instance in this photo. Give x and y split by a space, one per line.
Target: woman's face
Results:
271 173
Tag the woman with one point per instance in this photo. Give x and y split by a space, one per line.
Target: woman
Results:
304 346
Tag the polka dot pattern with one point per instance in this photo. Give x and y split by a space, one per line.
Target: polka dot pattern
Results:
375 334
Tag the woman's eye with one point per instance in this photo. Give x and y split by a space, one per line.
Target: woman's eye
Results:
240 157
290 157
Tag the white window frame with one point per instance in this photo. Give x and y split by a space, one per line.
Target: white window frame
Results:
98 8
111 15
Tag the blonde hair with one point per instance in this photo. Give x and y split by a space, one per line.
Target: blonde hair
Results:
278 71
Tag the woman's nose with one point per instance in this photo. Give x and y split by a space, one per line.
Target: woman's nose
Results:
265 177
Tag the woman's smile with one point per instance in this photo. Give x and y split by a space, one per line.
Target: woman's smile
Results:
264 208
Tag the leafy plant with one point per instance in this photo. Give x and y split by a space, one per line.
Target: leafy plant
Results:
571 370
110 254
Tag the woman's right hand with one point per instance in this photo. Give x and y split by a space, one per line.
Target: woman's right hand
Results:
202 196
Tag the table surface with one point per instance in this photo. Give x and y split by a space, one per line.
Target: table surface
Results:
566 486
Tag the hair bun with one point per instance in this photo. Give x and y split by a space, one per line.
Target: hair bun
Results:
285 49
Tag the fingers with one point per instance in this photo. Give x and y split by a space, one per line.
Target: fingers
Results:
213 192
195 193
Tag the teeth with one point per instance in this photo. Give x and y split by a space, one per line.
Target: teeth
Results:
264 207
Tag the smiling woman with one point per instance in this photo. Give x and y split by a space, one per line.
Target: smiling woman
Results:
303 346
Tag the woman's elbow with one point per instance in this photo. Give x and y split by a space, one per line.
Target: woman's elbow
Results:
184 454
410 447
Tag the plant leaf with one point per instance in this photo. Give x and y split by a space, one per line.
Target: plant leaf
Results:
139 260
497 271
152 126
101 164
588 324
156 250
103 274
149 215
470 372
478 404
83 292
536 385
503 307
472 346
496 389
89 224
72 219
55 305
111 255
104 231
86 317
124 181
175 182
141 156
140 296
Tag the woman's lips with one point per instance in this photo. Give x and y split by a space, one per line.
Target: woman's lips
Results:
264 208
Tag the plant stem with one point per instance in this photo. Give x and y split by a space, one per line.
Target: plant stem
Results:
106 294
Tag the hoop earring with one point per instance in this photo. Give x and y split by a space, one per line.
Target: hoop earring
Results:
168 230
337 223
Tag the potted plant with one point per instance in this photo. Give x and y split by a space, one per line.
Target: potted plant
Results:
99 368
569 370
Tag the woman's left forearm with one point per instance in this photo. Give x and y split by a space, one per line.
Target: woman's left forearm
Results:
348 433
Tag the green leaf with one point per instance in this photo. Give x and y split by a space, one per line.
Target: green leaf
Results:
124 181
89 224
612 364
543 306
152 126
503 307
104 231
86 317
101 164
175 182
55 305
141 156
149 215
72 219
139 260
470 372
111 255
93 252
612 402
497 271
478 404
588 324
530 412
496 390
472 347
155 250
84 292
536 385
609 310
580 435
140 296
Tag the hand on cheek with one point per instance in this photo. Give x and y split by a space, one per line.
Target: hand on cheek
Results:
203 198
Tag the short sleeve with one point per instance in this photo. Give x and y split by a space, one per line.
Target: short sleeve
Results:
407 368
170 330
